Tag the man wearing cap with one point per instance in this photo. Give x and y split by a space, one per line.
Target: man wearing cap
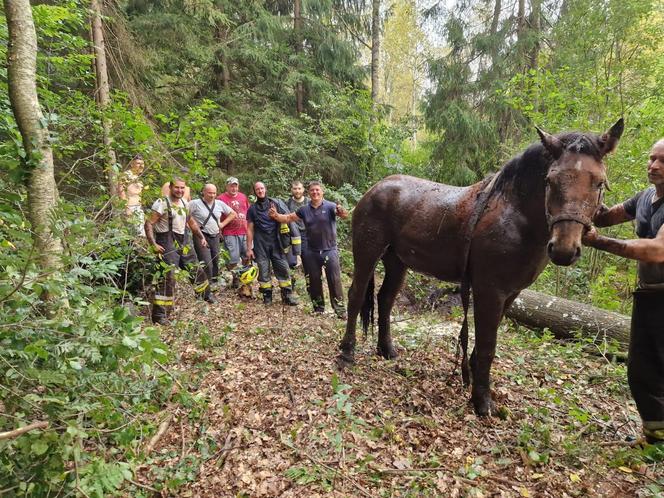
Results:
207 212
164 230
235 232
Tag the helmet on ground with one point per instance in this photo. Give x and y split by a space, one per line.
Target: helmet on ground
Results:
248 274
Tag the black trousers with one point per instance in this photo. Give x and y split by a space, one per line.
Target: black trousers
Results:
209 255
645 364
268 253
176 255
314 262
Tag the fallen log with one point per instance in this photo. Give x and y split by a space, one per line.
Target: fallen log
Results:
565 318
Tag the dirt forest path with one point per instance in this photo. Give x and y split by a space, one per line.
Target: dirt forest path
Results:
270 415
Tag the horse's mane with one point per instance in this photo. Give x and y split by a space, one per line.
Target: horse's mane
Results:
534 162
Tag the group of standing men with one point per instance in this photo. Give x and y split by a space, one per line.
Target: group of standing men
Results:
271 232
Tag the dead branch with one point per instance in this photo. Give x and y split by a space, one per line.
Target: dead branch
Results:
163 427
144 486
22 430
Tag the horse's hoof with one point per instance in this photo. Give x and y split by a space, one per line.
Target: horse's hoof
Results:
345 360
388 353
485 407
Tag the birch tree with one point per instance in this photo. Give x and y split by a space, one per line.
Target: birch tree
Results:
21 75
103 95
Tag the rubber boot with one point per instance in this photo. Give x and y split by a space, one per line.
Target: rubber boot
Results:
267 296
287 296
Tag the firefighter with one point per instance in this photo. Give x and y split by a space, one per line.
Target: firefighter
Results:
266 243
164 230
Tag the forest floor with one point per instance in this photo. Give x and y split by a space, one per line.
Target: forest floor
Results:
269 414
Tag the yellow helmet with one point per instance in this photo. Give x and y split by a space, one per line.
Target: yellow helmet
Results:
248 274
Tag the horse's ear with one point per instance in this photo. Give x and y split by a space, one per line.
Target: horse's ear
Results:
609 141
551 144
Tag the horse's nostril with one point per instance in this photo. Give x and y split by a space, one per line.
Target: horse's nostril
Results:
549 248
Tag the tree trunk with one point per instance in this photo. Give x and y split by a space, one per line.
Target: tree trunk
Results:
221 69
375 49
299 87
104 96
564 318
21 75
520 18
497 7
221 34
534 36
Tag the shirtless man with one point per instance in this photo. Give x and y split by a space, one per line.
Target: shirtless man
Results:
130 189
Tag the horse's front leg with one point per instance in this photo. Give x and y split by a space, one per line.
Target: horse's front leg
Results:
488 306
347 355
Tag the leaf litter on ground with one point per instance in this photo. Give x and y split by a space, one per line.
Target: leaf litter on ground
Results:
279 419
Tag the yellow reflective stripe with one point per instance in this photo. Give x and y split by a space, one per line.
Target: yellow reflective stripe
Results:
265 285
163 298
284 228
160 302
295 240
657 434
200 288
285 283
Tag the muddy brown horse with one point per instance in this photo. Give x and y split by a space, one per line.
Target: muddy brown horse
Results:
496 235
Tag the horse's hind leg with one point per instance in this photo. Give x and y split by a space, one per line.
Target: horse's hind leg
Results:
489 307
395 273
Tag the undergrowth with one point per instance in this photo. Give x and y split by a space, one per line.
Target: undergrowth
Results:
82 361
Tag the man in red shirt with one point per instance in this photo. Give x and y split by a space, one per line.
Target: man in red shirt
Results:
235 233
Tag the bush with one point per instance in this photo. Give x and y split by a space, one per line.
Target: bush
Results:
82 361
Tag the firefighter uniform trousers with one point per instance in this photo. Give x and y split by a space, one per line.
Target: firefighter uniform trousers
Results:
267 250
645 362
177 255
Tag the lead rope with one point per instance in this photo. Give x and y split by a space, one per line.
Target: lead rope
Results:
462 343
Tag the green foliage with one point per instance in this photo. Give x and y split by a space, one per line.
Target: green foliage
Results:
87 367
198 136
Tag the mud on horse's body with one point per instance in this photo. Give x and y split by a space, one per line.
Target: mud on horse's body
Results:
535 209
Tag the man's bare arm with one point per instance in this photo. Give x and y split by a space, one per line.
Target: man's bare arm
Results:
149 231
282 218
645 250
196 231
287 218
606 217
230 217
250 240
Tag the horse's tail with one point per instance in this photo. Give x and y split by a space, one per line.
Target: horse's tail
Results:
367 312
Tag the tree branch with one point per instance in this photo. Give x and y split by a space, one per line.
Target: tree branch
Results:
22 430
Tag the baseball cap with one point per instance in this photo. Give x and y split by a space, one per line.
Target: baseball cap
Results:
231 180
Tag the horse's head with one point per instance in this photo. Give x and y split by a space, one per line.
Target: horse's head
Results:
575 184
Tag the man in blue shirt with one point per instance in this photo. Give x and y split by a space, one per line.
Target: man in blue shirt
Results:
320 220
265 246
645 364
